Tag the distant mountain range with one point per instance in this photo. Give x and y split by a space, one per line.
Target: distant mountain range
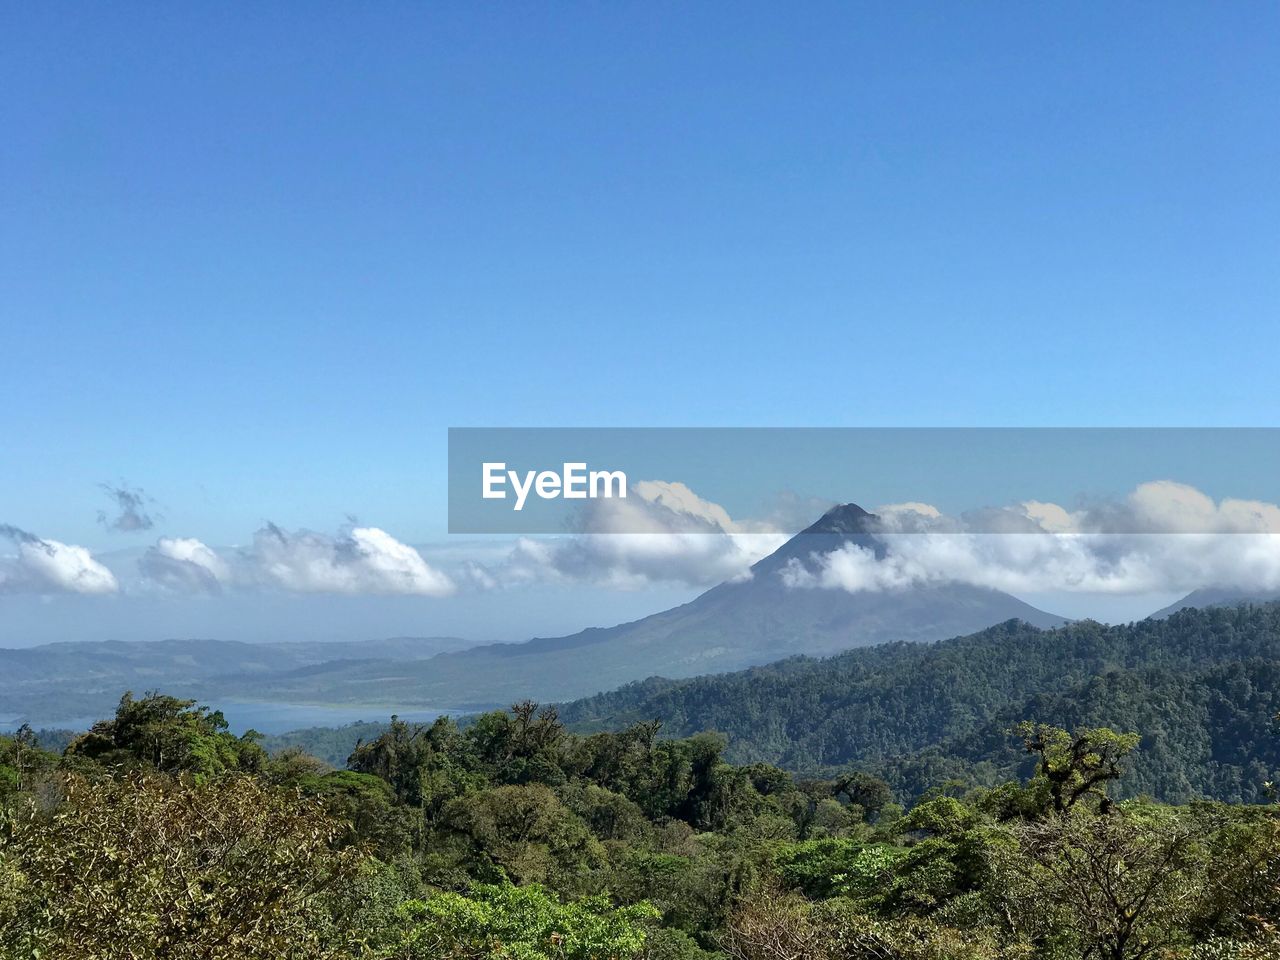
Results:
742 623
734 625
68 680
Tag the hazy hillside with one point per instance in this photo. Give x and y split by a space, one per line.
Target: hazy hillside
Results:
65 680
1202 685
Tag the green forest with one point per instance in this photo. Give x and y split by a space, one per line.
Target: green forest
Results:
159 834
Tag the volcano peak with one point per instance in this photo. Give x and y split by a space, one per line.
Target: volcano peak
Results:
843 518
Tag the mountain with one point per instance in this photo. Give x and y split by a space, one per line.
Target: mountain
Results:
741 623
734 625
1215 598
1202 686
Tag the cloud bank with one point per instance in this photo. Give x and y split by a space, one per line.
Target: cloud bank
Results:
184 563
662 533
682 539
1163 536
50 566
362 560
359 560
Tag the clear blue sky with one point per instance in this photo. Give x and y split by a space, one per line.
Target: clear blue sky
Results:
257 258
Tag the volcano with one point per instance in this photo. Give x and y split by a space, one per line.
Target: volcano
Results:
737 624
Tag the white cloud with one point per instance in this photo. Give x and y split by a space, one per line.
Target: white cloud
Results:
49 566
1163 536
185 563
362 560
663 533
1175 507
1050 516
909 509
681 502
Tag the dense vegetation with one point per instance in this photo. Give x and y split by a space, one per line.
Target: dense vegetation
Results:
331 744
1202 686
158 834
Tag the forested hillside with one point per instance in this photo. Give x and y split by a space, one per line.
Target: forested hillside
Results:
158 835
1202 685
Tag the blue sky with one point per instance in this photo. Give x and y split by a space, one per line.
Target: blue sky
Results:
256 260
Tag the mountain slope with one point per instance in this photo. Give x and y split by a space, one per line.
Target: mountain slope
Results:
734 625
1201 685
1215 598
731 626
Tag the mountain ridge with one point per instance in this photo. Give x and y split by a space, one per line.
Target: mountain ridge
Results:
732 625
1202 685
1215 597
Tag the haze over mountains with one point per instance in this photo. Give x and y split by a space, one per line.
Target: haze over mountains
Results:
731 626
735 625
61 681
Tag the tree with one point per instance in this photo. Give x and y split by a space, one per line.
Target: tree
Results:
502 922
771 925
1123 886
21 759
520 746
523 834
148 867
365 805
426 765
1073 767
169 735
397 756
863 790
